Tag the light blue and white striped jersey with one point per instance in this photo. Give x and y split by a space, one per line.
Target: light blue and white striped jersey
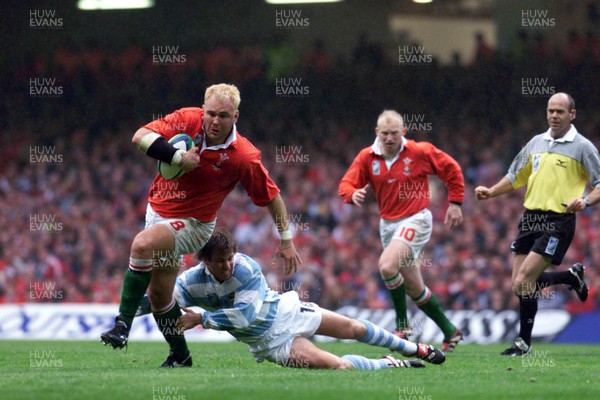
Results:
243 305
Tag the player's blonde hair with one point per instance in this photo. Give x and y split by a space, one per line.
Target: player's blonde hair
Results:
224 92
386 115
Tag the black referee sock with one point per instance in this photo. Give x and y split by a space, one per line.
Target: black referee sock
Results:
554 278
528 307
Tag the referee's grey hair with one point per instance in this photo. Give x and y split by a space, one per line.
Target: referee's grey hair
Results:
390 114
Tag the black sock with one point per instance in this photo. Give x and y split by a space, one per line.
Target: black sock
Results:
167 323
528 307
554 278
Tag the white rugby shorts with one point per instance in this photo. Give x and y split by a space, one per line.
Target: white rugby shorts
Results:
415 231
190 234
294 318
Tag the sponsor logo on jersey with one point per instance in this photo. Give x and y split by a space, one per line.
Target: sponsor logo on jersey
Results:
561 163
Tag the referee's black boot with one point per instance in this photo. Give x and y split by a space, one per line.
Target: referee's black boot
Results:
519 348
580 287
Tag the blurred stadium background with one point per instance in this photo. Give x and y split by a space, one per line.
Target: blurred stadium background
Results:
471 76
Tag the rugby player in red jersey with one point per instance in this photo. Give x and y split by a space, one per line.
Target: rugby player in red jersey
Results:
180 219
397 169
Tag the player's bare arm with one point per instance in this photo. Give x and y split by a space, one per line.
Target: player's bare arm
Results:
358 197
155 146
502 187
286 250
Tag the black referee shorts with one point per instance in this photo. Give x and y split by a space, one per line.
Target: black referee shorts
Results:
546 233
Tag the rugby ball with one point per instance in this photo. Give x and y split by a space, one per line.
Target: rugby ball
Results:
180 141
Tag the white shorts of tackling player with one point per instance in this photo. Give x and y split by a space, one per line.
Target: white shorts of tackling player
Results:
415 230
190 234
294 318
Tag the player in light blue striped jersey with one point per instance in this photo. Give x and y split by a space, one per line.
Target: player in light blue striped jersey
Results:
233 294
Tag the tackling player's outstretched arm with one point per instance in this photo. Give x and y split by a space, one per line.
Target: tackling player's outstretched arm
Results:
248 301
156 146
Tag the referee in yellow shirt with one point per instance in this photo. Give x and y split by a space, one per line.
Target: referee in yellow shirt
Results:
555 166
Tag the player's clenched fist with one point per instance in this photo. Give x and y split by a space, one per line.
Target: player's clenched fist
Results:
483 193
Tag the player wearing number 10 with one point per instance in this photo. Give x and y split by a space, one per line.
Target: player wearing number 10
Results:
181 214
397 169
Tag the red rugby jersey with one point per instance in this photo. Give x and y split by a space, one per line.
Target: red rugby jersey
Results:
403 190
201 192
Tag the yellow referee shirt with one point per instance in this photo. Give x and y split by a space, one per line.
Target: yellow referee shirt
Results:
555 170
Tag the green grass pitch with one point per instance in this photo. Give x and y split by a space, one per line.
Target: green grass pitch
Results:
87 370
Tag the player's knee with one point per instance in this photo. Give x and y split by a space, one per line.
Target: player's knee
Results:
159 299
141 246
524 286
413 291
517 286
387 269
154 298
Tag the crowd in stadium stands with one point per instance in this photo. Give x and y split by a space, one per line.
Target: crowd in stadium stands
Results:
73 189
